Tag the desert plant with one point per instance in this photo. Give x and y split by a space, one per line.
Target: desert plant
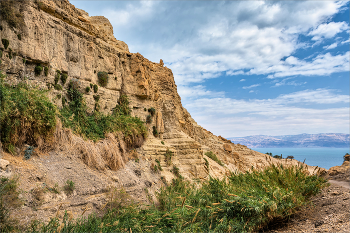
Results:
102 78
91 86
176 171
95 88
145 109
69 187
5 42
155 131
10 53
168 155
213 156
159 166
64 77
123 106
58 87
28 152
162 142
0 53
64 100
19 36
149 119
152 111
58 96
96 97
38 69
27 115
46 70
87 89
290 157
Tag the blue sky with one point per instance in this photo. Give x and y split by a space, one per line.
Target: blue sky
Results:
246 67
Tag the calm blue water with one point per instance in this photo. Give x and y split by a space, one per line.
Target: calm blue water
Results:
322 157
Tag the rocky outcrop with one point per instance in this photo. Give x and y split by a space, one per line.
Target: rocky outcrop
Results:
341 172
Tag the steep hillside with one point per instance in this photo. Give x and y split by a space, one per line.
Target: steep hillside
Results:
66 42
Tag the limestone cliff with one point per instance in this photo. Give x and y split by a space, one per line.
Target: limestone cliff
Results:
62 37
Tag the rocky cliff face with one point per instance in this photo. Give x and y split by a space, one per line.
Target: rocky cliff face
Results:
62 37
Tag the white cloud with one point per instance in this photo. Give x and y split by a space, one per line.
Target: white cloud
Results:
346 41
293 113
197 91
328 30
332 46
251 86
242 80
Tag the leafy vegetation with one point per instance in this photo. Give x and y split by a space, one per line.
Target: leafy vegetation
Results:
149 119
87 89
69 187
38 69
64 78
102 78
243 202
168 155
46 70
27 115
95 88
155 131
152 111
5 42
213 156
95 126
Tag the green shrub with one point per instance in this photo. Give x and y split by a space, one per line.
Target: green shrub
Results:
176 171
69 187
123 106
168 155
27 115
213 156
96 98
64 78
95 88
58 87
38 69
159 166
0 53
149 119
64 100
58 96
46 70
95 126
152 111
19 36
87 89
91 86
5 42
102 78
155 131
57 76
162 142
145 109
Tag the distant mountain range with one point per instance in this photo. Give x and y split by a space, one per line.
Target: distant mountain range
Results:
337 140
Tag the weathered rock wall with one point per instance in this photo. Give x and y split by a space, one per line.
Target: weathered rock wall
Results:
62 37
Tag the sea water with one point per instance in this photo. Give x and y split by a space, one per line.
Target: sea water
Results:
322 157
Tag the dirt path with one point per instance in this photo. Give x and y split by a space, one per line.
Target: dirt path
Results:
329 212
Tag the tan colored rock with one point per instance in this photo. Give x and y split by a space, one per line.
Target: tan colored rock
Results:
347 157
159 123
227 147
3 164
82 19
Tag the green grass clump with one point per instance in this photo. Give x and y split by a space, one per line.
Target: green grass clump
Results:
69 187
95 88
95 126
27 115
168 155
244 202
102 78
58 87
46 71
38 69
87 89
152 111
64 78
5 42
213 156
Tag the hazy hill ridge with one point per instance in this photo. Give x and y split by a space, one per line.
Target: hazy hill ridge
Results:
337 140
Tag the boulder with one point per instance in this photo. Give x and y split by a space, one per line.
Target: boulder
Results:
3 164
227 147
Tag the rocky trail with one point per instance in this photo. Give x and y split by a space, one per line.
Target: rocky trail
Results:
328 212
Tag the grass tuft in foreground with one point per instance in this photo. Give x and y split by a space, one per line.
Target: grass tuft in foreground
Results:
240 203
